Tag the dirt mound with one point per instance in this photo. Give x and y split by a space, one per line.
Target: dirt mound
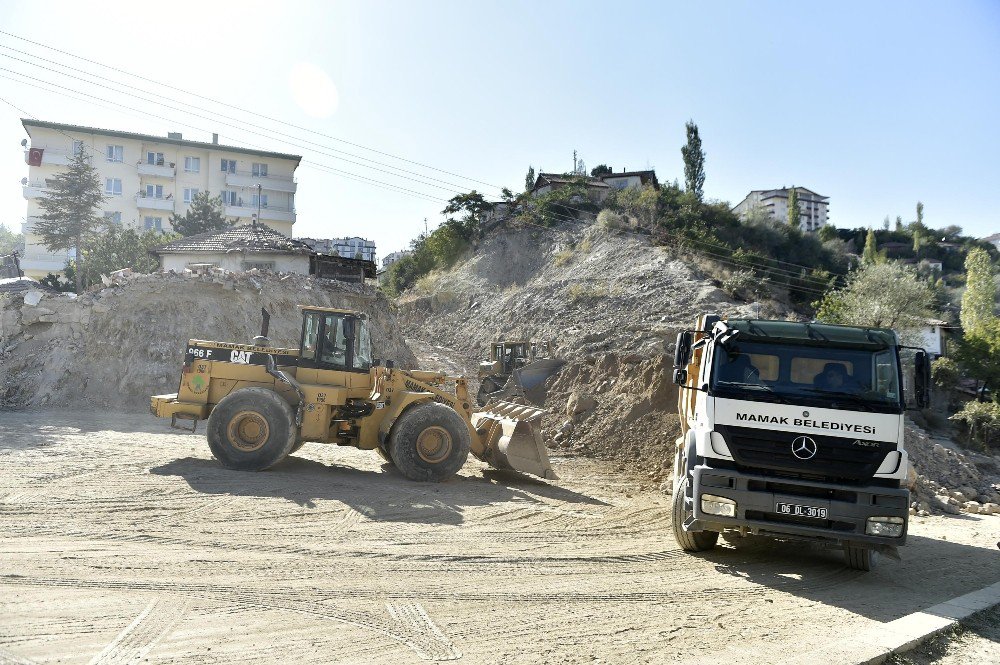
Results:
611 303
115 347
949 480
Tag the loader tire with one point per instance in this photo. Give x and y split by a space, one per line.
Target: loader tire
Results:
429 442
690 541
295 448
251 429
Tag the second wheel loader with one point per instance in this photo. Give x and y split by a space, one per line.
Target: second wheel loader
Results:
515 371
263 403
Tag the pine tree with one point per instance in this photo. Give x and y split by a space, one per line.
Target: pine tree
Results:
529 179
71 217
920 214
694 161
204 215
870 254
794 212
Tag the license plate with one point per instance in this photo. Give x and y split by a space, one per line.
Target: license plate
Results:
798 510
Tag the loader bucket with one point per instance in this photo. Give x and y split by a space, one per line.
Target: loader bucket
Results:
532 377
511 439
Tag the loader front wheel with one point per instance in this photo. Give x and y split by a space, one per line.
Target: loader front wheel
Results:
251 429
429 442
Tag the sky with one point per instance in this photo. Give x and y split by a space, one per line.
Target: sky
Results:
876 105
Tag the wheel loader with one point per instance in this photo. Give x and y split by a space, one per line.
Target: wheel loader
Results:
263 403
514 371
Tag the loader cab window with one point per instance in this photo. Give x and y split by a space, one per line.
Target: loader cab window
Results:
332 340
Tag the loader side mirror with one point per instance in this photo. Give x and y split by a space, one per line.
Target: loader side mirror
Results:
922 379
682 350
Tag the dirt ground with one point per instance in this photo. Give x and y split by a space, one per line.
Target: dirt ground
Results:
124 541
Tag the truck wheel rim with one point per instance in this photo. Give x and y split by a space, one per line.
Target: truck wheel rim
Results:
248 431
434 444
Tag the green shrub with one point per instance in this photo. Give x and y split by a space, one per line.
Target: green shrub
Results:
982 422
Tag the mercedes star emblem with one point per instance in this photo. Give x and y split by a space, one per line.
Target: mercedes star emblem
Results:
804 448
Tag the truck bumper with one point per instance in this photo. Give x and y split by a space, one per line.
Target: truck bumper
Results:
847 507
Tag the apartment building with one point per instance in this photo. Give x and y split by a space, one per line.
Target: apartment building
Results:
813 207
352 248
147 178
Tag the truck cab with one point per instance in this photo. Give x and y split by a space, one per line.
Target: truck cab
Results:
793 430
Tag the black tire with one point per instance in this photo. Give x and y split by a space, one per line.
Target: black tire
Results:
298 444
487 386
429 442
860 558
690 541
383 452
251 429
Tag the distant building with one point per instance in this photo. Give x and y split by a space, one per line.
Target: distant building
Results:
351 248
146 178
598 187
392 257
236 249
993 240
813 207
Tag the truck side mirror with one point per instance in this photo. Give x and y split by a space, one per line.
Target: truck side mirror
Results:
682 350
922 379
680 376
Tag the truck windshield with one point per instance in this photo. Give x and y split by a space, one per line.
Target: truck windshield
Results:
838 378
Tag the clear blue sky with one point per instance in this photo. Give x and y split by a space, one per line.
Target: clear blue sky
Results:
874 104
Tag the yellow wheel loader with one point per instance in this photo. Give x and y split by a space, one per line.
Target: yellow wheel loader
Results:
263 403
514 371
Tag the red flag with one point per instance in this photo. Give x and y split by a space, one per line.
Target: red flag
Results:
35 156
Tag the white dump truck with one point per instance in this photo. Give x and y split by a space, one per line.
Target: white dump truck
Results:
794 431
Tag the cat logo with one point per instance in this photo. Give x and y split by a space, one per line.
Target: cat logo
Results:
240 357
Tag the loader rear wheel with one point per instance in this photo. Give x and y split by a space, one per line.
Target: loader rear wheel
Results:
251 429
690 541
429 442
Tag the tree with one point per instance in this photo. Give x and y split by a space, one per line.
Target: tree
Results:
599 170
899 224
794 212
694 161
9 241
71 217
529 179
879 295
920 214
204 215
828 232
473 204
116 249
885 223
980 295
871 255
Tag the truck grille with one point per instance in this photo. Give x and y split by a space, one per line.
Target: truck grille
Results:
836 458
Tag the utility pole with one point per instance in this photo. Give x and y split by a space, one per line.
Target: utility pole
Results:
257 218
574 162
425 226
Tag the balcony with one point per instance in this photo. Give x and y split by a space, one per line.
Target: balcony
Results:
43 262
274 183
51 156
273 213
34 190
159 169
144 202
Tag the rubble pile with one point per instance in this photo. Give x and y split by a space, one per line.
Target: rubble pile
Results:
944 480
114 347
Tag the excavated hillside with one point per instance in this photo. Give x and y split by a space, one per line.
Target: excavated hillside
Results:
115 347
611 303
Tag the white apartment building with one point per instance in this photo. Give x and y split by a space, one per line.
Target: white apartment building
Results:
146 178
392 257
351 248
774 202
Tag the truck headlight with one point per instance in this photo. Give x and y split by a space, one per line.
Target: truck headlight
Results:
718 505
884 526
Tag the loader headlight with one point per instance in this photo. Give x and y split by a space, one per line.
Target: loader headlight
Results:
884 526
718 505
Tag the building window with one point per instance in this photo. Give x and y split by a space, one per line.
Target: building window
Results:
113 186
259 199
154 191
116 153
229 166
154 158
192 164
77 147
228 197
153 223
113 218
189 194
259 170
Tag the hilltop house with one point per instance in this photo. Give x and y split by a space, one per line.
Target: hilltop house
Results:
813 207
598 187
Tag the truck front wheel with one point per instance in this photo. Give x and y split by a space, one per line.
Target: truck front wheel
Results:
690 541
251 429
860 558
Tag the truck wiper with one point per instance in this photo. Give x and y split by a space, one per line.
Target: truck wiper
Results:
853 398
756 387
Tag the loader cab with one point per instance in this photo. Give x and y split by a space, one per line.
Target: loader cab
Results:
336 340
510 354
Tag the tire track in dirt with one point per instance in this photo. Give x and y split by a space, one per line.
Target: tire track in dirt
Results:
9 658
138 638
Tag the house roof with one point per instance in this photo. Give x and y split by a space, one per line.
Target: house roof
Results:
258 238
23 284
28 123
993 238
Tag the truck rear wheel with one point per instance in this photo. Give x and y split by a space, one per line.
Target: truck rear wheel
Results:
251 429
690 541
429 442
860 558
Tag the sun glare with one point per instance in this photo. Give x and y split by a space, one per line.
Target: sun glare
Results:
313 90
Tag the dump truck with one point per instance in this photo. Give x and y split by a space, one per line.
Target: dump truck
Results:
515 372
794 431
262 403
